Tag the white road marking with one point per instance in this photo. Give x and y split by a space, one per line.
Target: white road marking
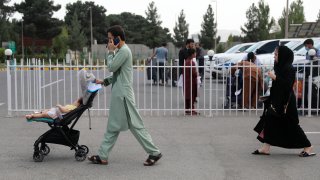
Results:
1 104
52 83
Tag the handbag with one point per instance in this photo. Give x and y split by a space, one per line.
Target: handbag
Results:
272 110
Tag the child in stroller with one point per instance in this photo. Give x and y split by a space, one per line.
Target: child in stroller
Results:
57 111
60 132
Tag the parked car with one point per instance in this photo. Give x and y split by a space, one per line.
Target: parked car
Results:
221 65
264 51
239 48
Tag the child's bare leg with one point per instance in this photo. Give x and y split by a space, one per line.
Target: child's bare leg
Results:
43 114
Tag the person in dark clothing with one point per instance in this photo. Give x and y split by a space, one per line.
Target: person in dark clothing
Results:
162 56
190 82
183 54
282 131
308 44
200 59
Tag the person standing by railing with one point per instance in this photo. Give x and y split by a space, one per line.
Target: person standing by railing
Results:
279 124
200 59
123 114
252 80
161 54
308 44
183 54
190 87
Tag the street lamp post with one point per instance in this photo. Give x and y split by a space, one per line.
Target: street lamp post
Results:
215 38
22 42
287 21
210 54
8 54
91 36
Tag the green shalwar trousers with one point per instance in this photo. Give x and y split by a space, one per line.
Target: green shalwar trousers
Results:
141 134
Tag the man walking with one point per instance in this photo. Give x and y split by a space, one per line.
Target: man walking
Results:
123 113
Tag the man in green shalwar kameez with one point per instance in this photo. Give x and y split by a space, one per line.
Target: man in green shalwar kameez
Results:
123 114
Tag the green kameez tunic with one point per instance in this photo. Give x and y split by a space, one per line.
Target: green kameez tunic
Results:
122 104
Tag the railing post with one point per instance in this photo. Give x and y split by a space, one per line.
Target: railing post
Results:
9 89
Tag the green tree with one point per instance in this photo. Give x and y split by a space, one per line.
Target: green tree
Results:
77 38
2 56
59 44
265 23
37 18
232 39
250 28
220 48
155 34
295 15
181 30
133 25
5 13
208 30
99 23
258 26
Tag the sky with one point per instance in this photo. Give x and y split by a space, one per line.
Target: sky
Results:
231 14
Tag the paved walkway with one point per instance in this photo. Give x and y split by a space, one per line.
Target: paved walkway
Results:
193 147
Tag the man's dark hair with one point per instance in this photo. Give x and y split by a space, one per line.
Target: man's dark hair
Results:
189 41
308 41
250 56
164 44
191 51
117 30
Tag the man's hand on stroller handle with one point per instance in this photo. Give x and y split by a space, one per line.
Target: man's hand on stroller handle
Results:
98 81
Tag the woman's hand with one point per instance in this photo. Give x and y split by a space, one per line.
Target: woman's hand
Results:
98 81
272 75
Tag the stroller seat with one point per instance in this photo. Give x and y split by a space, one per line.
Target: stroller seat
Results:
67 118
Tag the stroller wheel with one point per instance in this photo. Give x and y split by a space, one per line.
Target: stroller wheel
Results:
38 156
85 148
80 155
45 150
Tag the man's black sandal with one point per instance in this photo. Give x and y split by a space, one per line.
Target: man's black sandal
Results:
152 160
97 160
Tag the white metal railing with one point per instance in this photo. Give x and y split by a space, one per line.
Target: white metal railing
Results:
38 85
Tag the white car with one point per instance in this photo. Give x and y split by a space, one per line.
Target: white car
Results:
221 65
264 51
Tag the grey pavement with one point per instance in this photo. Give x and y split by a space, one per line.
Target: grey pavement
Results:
216 148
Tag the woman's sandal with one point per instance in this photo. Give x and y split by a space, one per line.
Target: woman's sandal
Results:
152 160
305 154
97 160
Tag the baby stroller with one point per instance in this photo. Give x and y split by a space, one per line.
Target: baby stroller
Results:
61 132
234 91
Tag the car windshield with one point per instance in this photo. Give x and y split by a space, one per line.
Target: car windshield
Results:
292 44
303 51
254 47
233 49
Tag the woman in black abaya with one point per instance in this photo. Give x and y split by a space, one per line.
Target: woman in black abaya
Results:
282 131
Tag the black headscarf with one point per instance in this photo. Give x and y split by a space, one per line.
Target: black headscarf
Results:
285 59
250 57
